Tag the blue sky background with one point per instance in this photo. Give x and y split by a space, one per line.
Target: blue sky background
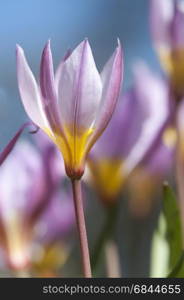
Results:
66 23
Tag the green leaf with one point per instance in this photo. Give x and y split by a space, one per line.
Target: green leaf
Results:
178 270
173 231
159 250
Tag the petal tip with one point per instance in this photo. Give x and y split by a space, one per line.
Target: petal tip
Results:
48 42
19 49
119 45
47 46
118 42
86 40
83 46
46 54
85 43
20 57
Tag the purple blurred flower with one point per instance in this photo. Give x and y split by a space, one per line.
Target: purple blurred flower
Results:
52 224
73 106
145 183
167 26
28 193
180 117
136 125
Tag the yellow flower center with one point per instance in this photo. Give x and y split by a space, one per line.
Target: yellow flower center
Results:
74 152
16 242
172 62
107 177
51 259
170 137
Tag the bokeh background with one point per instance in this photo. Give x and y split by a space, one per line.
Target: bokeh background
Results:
66 23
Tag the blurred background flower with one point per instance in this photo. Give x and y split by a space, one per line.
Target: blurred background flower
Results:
146 103
145 184
167 26
35 210
134 129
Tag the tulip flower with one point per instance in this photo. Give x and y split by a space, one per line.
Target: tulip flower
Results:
36 193
146 181
135 127
55 222
167 26
167 23
73 106
52 231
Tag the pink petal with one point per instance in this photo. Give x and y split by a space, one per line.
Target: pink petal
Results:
59 70
47 86
153 96
111 80
161 14
79 89
180 118
28 89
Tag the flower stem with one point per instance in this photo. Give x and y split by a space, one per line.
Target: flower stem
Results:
80 219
